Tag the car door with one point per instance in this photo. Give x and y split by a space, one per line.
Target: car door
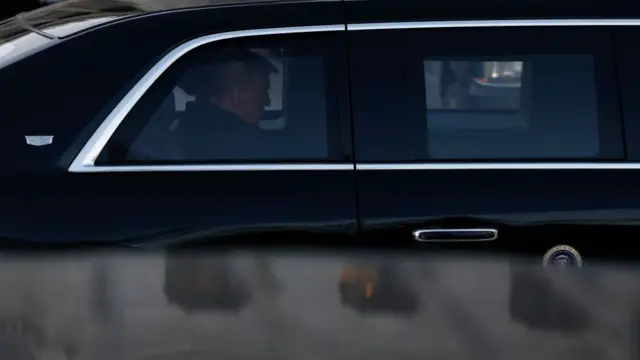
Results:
497 138
126 180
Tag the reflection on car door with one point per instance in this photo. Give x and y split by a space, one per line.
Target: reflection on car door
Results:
517 169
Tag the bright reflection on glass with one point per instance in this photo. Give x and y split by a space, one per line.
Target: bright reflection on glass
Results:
470 85
501 73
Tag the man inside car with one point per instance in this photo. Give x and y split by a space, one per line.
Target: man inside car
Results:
223 122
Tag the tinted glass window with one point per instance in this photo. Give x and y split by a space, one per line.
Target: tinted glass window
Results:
267 99
486 109
478 94
447 90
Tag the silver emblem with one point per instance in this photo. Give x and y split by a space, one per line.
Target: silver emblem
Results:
562 256
39 140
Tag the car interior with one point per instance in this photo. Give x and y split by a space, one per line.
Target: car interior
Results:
296 92
157 139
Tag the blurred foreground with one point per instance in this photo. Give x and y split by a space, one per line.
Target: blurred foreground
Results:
305 306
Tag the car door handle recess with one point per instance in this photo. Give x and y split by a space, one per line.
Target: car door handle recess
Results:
453 235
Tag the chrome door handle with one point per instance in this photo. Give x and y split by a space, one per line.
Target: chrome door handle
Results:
455 235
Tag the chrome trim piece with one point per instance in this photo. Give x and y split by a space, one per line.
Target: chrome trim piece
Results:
204 168
85 160
501 166
491 23
417 233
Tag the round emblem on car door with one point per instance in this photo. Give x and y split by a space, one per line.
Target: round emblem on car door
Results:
562 256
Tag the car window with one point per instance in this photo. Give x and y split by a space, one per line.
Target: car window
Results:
483 111
494 85
471 97
265 99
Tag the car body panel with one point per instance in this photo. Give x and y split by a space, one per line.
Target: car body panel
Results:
387 210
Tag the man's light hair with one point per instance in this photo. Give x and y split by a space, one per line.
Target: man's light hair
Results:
236 69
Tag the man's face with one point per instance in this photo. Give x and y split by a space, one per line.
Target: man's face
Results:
252 99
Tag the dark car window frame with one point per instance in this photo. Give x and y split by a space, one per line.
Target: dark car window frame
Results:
627 55
373 131
85 161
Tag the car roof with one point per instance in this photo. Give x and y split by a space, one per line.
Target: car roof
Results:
141 6
55 21
74 11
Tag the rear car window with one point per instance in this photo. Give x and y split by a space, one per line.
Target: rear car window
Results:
495 109
494 85
486 94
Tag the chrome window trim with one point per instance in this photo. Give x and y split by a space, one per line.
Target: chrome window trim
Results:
221 167
85 160
502 166
490 23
